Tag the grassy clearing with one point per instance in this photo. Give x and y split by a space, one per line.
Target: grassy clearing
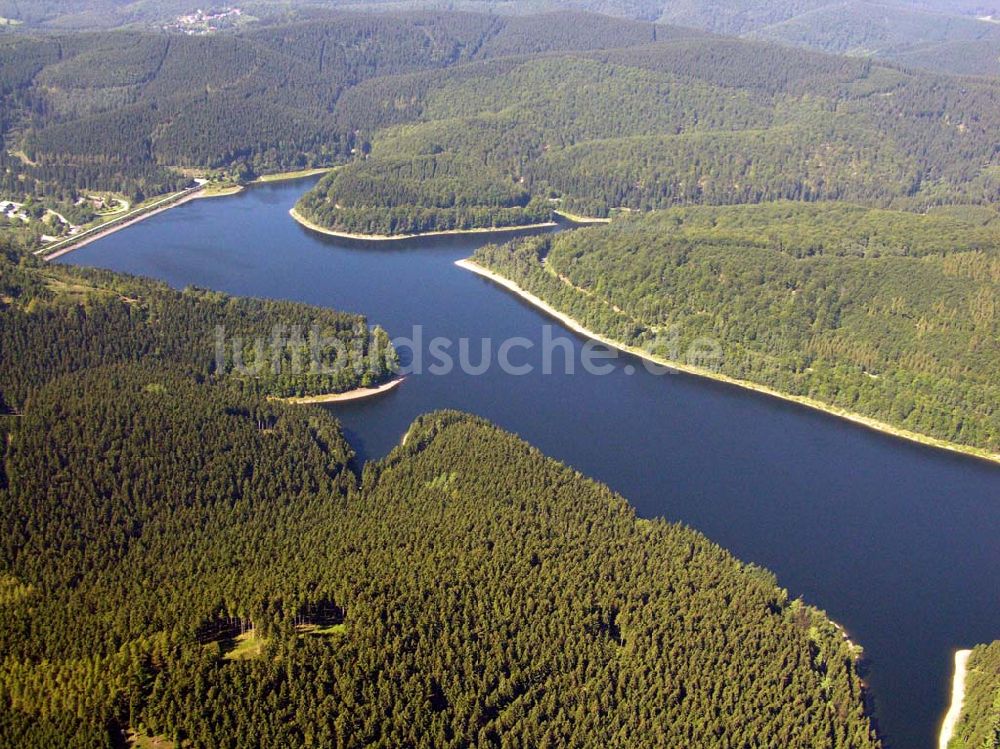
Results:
445 482
119 205
578 219
73 293
245 647
141 741
317 630
221 189
24 158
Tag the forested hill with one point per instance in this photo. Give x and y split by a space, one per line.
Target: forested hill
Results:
213 576
57 319
705 120
943 35
958 36
115 111
886 314
463 120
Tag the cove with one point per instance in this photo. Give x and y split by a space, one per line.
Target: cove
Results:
896 541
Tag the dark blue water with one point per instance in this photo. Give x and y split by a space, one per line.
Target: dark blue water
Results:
896 541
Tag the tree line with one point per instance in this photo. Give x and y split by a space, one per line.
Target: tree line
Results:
888 314
682 121
57 319
485 593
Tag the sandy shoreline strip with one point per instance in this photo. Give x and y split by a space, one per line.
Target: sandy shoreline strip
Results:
222 192
351 395
582 220
864 421
395 237
289 176
957 698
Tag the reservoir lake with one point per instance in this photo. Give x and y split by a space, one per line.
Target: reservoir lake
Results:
898 542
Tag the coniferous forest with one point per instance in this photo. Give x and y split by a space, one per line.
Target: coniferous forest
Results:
956 36
185 558
678 121
884 313
58 319
188 559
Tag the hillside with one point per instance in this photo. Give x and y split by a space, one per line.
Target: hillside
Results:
886 314
679 121
914 32
90 15
978 58
889 31
56 319
137 113
187 559
240 589
124 111
455 121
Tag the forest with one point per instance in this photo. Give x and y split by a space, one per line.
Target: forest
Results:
953 36
644 116
683 120
57 319
243 587
433 192
131 112
979 724
887 314
185 559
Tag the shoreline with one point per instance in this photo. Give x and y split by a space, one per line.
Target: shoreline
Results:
287 176
957 698
350 395
582 220
99 232
303 221
865 421
222 192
